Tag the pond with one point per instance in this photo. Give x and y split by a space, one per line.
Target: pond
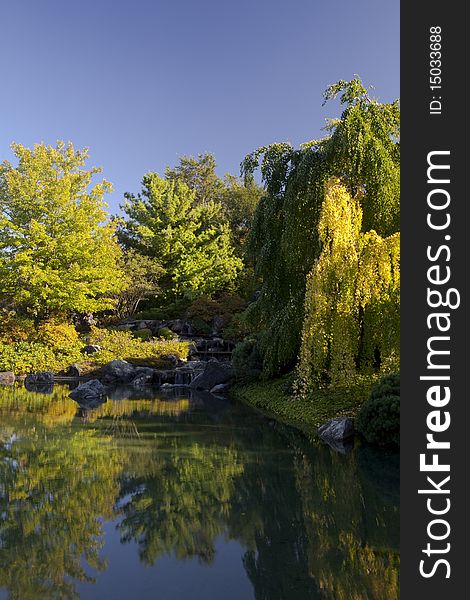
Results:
178 496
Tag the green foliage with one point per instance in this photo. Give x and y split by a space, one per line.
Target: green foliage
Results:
361 149
247 360
239 201
15 328
57 253
201 327
30 357
274 397
165 333
198 174
52 346
141 276
237 328
190 239
142 334
56 346
379 417
225 306
352 298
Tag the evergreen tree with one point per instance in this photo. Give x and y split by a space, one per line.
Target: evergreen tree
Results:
190 240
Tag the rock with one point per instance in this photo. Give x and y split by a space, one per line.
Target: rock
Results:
220 388
125 327
7 378
338 433
89 392
214 373
41 378
91 349
144 376
74 371
217 324
170 360
40 382
118 370
83 322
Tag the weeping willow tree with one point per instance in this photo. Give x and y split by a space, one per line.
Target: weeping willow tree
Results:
361 148
352 298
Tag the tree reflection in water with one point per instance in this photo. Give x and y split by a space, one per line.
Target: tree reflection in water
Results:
313 524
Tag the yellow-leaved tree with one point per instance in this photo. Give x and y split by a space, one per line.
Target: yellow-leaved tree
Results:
352 317
58 252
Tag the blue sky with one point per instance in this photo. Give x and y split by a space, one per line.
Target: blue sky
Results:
142 82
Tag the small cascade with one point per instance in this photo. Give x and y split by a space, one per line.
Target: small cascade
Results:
183 376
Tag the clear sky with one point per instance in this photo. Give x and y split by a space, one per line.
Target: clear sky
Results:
142 82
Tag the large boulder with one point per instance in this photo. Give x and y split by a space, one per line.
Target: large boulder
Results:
338 433
7 378
118 371
214 373
89 392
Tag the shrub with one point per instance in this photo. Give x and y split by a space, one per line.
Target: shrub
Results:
247 360
237 328
122 344
62 337
28 357
142 334
165 333
14 328
379 417
201 327
53 346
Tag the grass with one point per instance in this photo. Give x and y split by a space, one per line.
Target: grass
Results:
273 398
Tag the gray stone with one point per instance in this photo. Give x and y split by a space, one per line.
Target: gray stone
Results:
220 388
87 391
118 370
40 378
7 378
74 371
125 327
144 376
337 433
91 349
214 373
170 359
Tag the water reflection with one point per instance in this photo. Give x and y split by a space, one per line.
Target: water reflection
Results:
174 477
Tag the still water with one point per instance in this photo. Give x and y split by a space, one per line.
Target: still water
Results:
174 497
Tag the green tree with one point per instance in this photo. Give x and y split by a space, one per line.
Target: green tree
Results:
57 251
141 275
361 149
190 240
239 202
200 176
